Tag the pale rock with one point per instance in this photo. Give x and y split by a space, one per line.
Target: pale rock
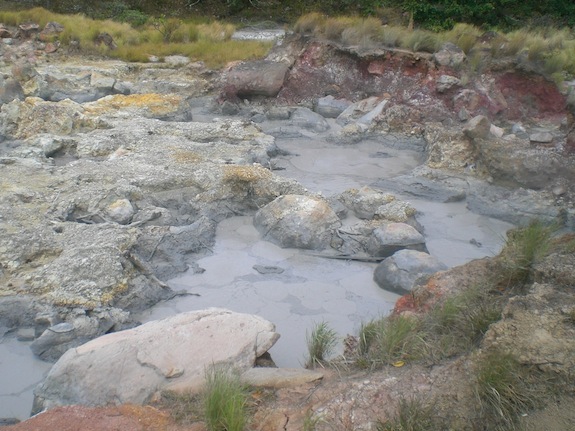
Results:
364 202
330 107
297 221
172 354
390 238
498 132
541 138
478 127
309 120
446 82
120 211
399 272
278 378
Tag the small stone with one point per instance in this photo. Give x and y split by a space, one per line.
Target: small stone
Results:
265 269
120 211
62 328
25 334
541 137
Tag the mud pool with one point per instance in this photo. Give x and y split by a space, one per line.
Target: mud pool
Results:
296 289
299 289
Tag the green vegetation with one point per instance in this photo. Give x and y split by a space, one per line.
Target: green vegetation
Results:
412 415
225 401
523 248
504 389
320 344
207 41
385 341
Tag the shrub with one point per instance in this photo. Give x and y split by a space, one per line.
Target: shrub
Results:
225 401
320 344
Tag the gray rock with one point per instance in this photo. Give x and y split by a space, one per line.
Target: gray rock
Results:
307 119
297 221
176 60
26 334
359 109
120 211
329 107
392 237
170 354
102 82
278 113
257 78
449 55
446 82
267 269
541 137
364 202
278 378
399 272
478 127
10 89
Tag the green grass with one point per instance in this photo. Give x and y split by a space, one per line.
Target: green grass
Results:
201 41
225 401
524 247
321 343
412 415
504 390
457 324
388 340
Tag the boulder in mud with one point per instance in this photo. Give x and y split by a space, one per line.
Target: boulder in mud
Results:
297 221
400 272
330 107
258 78
172 354
364 202
309 120
390 238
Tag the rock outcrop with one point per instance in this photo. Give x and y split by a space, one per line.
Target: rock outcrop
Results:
131 366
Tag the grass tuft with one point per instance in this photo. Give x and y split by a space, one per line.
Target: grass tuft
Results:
412 415
421 40
320 344
225 401
309 23
388 340
523 248
504 391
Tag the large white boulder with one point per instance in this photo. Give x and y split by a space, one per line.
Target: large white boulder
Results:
172 354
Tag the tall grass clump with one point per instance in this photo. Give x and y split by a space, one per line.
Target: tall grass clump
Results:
309 23
421 40
458 324
333 27
504 390
388 340
365 32
412 415
524 247
392 36
465 36
321 343
225 401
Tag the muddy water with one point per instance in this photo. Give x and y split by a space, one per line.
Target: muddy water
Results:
302 290
20 373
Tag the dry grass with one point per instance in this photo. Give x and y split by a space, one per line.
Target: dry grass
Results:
207 42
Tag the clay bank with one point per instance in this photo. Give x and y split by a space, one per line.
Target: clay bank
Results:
112 182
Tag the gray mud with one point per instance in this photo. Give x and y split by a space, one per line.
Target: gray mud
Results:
309 289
